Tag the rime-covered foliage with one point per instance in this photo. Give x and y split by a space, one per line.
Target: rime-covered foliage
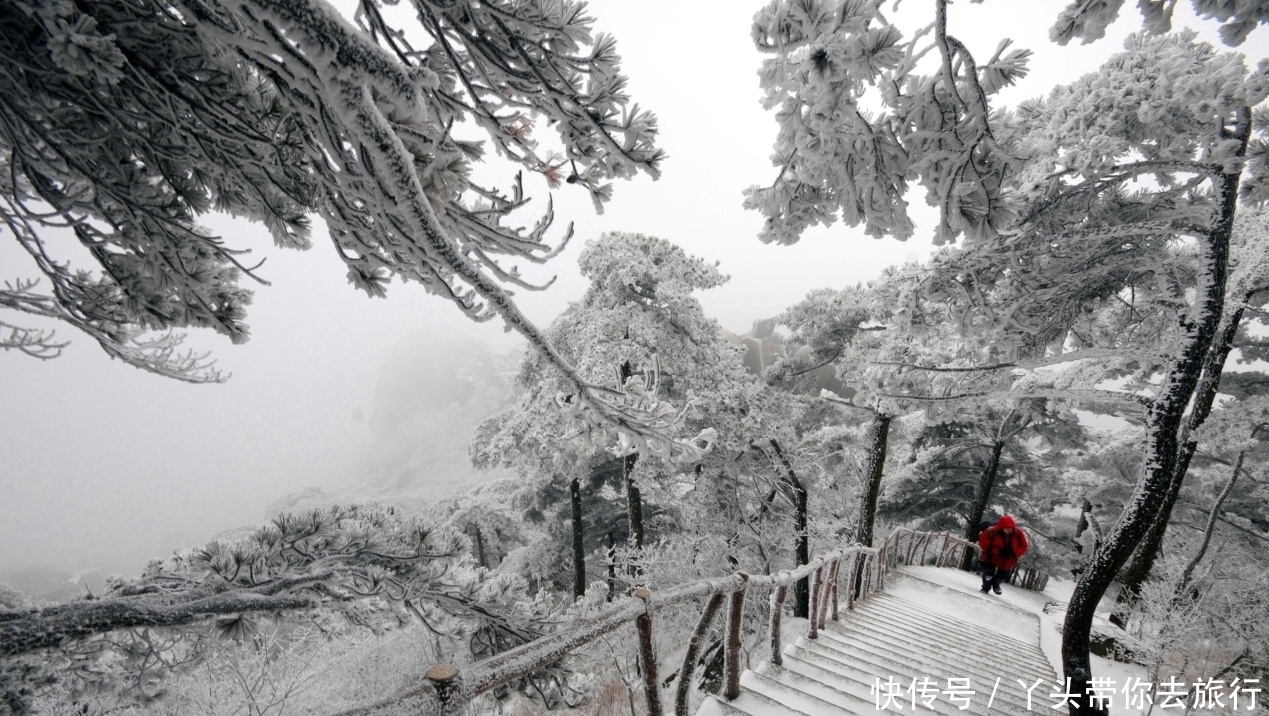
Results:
841 349
1088 19
936 440
1113 194
364 565
122 124
125 122
981 461
859 124
638 312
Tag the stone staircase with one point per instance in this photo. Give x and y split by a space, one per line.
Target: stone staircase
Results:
930 637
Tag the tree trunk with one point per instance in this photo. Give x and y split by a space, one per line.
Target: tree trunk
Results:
871 491
634 502
480 546
1135 573
872 477
986 484
1162 449
1088 521
612 566
579 551
801 539
1132 577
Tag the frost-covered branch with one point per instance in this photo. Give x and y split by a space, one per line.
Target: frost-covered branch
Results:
645 424
1128 400
837 160
322 558
948 369
1074 356
299 110
1088 19
23 632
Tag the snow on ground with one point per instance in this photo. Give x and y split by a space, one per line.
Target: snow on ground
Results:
1036 616
1031 617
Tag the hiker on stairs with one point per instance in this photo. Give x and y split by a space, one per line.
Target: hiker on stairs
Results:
1002 544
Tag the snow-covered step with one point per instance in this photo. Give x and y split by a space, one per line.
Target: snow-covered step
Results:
956 610
950 608
822 685
790 693
912 659
937 636
964 658
749 703
858 695
907 623
906 619
888 657
971 582
868 670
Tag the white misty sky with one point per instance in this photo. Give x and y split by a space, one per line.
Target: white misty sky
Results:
103 466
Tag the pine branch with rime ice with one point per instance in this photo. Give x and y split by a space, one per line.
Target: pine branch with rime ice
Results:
837 161
313 113
331 559
1088 19
647 427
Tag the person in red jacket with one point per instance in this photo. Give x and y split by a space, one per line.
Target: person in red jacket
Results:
1002 544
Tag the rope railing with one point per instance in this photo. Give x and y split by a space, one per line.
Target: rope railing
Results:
446 691
951 549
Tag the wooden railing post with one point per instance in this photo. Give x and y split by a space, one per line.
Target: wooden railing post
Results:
870 564
818 582
693 652
826 583
777 609
853 591
647 654
832 599
732 655
449 688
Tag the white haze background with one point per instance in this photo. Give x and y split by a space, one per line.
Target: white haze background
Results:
103 466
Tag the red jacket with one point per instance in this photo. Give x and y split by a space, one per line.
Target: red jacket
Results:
1000 550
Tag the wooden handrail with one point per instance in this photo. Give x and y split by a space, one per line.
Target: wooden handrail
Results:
447 691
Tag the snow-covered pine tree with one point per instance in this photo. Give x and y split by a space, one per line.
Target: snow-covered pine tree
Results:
638 312
839 334
126 122
981 459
